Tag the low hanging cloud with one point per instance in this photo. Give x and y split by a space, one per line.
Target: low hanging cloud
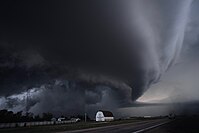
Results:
62 97
101 47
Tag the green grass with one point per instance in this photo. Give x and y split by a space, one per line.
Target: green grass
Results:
65 127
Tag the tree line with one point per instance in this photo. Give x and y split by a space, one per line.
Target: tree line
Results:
9 116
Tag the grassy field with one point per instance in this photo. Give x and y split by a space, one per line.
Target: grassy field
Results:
66 127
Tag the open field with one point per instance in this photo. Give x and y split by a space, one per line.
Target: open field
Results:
179 125
68 127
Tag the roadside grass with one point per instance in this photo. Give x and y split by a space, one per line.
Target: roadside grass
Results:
67 127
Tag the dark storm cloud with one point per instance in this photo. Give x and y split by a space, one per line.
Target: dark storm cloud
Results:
70 36
65 98
126 45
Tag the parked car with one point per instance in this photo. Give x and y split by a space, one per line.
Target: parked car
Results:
75 119
61 119
53 119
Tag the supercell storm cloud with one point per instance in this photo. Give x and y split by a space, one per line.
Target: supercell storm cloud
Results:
94 53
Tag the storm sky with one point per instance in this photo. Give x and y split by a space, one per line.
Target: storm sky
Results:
85 55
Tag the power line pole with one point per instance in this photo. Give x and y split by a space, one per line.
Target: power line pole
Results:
27 93
27 98
85 117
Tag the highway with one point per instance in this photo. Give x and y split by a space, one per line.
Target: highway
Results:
136 127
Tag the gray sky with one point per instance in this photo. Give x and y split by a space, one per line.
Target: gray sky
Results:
89 55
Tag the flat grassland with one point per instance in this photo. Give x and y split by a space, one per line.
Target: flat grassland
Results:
67 127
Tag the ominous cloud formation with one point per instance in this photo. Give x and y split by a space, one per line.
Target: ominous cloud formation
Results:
112 50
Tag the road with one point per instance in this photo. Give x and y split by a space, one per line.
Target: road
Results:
136 127
180 125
